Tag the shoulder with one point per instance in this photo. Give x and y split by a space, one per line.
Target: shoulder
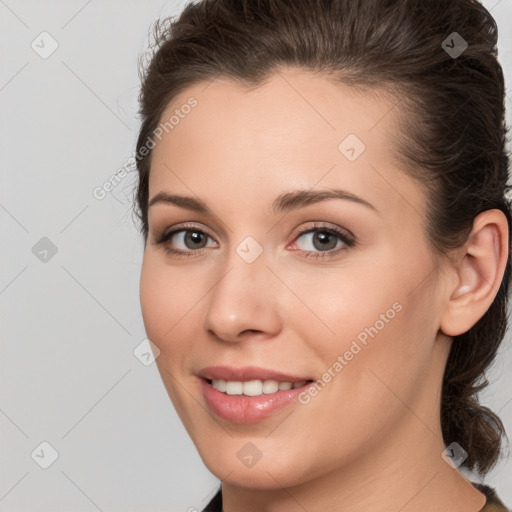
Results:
215 504
493 504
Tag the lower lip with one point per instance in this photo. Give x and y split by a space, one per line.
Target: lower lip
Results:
247 409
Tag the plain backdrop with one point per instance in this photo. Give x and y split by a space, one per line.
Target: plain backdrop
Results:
69 282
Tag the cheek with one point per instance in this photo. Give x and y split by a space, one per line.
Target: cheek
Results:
168 298
341 304
155 302
378 314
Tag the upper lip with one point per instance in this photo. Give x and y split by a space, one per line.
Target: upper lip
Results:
246 373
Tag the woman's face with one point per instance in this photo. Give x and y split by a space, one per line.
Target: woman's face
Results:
302 256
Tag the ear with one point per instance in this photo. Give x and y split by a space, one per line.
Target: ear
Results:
478 271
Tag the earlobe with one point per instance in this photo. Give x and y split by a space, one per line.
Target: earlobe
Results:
479 272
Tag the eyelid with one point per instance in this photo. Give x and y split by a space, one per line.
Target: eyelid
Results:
318 225
166 233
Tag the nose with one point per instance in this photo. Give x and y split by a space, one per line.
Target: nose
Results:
243 303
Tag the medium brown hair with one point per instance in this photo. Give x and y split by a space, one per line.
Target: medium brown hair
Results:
452 138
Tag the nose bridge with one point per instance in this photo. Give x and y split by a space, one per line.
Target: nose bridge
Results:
244 296
245 268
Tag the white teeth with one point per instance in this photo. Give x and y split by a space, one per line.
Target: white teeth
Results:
270 386
219 384
254 387
234 388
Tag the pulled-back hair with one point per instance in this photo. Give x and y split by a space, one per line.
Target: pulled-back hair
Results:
452 136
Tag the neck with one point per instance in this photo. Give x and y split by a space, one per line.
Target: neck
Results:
406 475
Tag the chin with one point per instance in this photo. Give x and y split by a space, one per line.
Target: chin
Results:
276 471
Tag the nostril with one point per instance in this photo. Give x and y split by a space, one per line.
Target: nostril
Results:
250 331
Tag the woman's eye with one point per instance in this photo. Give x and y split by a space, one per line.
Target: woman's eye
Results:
191 239
322 240
185 240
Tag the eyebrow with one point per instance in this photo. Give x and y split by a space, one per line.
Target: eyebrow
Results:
283 203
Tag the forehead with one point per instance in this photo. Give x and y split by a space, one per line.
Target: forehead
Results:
297 128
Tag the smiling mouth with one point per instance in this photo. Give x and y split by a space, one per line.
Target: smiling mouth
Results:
254 387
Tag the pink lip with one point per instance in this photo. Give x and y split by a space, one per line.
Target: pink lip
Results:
247 409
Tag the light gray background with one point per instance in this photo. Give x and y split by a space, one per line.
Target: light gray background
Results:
69 325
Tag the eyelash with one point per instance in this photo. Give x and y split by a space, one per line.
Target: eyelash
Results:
348 241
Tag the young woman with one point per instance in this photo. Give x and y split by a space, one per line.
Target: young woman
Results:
326 266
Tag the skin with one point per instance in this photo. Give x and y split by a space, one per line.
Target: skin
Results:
371 439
